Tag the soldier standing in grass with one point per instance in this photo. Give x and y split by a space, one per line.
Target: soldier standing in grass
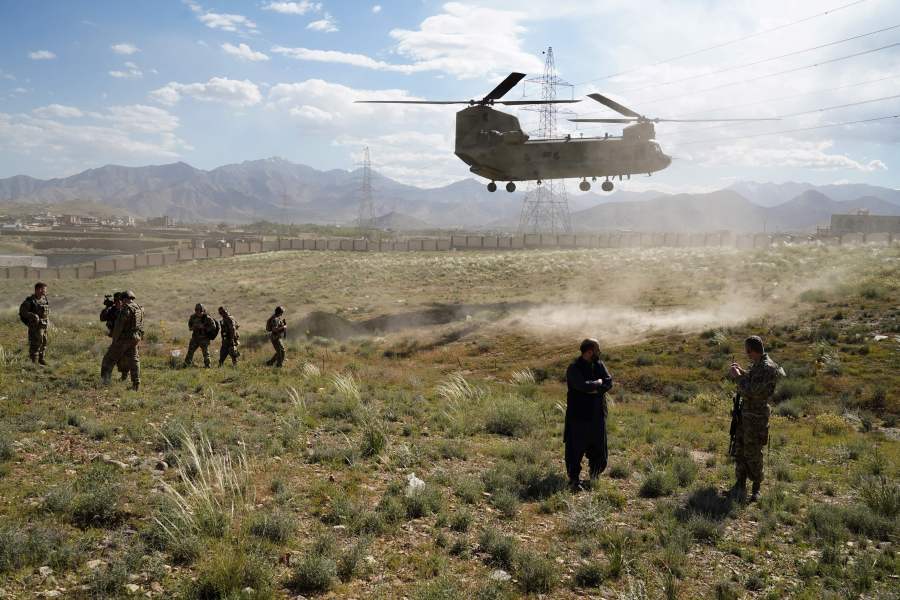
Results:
34 312
126 337
203 330
588 380
276 327
108 315
230 338
755 386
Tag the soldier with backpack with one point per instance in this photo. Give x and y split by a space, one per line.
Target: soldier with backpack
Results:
34 312
204 329
276 327
126 334
230 338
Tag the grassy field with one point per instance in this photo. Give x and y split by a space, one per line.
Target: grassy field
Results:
261 483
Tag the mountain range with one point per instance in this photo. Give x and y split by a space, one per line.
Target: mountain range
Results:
276 189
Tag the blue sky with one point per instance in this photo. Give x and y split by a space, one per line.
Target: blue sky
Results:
86 83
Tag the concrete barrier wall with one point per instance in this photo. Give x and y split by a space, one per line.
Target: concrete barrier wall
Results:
615 239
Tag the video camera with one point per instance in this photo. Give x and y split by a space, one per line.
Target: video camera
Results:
109 300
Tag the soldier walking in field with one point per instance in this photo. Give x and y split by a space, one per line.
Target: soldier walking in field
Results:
34 312
126 335
204 329
588 380
276 327
755 387
230 338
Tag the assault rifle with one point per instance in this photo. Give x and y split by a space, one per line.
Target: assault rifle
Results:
736 404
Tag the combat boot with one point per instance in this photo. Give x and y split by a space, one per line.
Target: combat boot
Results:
738 491
754 494
135 386
41 360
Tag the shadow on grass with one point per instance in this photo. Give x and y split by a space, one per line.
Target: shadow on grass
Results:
706 502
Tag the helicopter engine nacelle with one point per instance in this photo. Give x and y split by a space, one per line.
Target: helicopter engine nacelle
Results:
494 137
639 132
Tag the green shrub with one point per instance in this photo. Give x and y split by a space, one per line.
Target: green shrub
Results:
657 484
349 563
881 494
91 501
442 588
589 575
461 520
277 526
315 573
684 470
227 571
509 417
725 590
498 547
423 502
6 447
506 502
35 545
704 529
620 471
535 573
468 489
374 439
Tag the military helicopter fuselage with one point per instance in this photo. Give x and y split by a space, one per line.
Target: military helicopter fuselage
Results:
494 146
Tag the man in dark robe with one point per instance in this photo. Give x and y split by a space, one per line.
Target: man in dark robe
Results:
588 381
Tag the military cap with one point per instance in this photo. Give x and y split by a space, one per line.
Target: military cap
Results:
128 294
279 310
199 307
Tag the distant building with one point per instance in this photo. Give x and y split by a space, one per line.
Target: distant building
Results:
164 221
863 222
71 220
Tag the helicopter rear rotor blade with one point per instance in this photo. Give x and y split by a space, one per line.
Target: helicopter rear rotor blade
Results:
414 102
622 110
507 84
603 120
526 102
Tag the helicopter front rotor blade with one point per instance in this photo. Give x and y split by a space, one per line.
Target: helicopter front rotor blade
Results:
709 120
622 110
526 102
414 102
507 84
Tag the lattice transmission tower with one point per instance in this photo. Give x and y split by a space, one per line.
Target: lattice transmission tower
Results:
366 217
545 208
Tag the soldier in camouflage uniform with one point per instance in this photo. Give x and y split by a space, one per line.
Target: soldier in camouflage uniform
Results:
756 386
230 338
201 326
108 315
34 312
276 326
126 337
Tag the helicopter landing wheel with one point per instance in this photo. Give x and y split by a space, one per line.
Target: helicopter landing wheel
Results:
539 182
492 187
584 185
510 187
607 186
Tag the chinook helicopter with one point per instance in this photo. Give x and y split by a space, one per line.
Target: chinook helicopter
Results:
495 147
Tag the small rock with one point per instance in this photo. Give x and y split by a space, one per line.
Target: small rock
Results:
51 594
132 588
500 575
161 465
339 527
94 564
248 591
45 571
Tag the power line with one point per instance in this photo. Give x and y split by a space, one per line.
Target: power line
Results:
797 130
776 74
791 97
724 44
763 61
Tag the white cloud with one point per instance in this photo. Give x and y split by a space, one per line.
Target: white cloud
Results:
469 42
376 9
244 52
8 76
465 41
326 24
784 152
131 71
345 58
224 21
121 133
41 55
125 49
57 111
233 92
294 8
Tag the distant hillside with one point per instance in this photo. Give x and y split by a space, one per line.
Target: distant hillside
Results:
278 190
725 209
